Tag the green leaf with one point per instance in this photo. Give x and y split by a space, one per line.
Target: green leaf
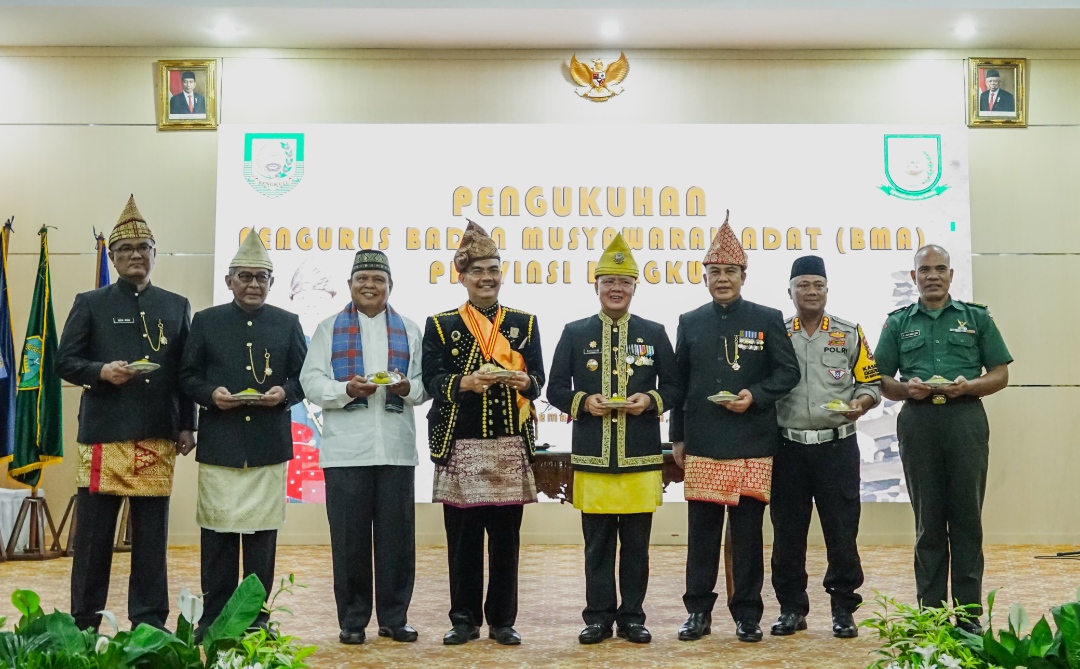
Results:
990 608
239 613
999 654
1068 623
1041 638
146 640
64 634
1009 641
26 602
185 631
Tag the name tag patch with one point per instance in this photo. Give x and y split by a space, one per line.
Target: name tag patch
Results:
910 334
592 351
123 321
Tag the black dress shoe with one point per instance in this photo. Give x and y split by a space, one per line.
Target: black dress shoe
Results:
748 631
594 634
460 634
843 625
634 633
352 638
404 634
788 624
696 626
504 636
970 626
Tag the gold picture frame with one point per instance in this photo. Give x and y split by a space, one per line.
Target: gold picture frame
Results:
183 106
997 101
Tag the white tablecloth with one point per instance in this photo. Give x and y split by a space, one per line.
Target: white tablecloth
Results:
10 503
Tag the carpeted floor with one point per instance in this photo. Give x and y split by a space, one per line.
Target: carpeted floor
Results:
552 596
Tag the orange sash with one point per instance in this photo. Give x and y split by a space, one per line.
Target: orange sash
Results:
496 347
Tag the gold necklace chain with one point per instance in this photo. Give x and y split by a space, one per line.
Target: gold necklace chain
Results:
266 370
161 340
734 363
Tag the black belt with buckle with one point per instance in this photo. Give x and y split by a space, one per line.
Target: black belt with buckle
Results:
941 399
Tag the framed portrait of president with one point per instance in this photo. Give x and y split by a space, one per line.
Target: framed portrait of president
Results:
997 92
187 94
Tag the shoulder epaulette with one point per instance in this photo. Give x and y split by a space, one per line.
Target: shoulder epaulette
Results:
976 304
446 313
841 321
511 310
789 319
896 311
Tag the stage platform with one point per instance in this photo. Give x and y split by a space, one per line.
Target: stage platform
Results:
552 596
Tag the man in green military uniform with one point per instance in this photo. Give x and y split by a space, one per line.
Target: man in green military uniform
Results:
614 374
941 348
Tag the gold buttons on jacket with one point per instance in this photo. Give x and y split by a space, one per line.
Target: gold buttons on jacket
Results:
247 418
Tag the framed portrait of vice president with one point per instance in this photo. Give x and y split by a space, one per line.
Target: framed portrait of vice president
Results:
997 92
187 94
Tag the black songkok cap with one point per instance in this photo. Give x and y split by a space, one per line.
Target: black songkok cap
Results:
370 259
812 265
993 73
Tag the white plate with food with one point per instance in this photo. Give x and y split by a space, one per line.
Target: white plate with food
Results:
143 366
936 380
385 378
837 406
249 395
723 396
615 402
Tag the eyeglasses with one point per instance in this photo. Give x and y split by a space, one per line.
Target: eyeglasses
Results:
611 282
480 271
128 249
262 278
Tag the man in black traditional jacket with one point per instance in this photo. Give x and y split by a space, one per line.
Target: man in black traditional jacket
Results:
123 344
245 347
735 361
614 375
483 367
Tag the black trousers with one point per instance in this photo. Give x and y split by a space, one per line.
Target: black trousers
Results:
946 450
372 512
148 585
465 528
221 567
705 529
602 532
828 475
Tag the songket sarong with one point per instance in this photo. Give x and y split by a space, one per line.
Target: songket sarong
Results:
128 468
485 472
724 481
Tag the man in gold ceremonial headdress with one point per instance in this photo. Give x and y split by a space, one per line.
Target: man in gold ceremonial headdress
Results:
483 367
242 365
614 375
735 361
123 344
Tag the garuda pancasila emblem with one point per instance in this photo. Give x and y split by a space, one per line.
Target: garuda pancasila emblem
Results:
598 83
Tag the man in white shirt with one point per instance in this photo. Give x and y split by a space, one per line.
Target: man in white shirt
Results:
368 452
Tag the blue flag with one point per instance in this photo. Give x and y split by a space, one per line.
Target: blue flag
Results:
101 279
8 377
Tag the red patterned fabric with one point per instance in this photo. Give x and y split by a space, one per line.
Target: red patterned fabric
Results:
726 249
725 481
305 481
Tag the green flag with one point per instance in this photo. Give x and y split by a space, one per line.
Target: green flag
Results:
39 440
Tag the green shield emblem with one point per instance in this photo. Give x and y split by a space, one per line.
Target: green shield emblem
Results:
273 162
31 364
912 166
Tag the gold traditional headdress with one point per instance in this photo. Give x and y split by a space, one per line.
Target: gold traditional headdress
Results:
131 225
252 253
617 259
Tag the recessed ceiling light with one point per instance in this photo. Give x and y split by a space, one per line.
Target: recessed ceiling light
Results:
965 29
226 28
609 29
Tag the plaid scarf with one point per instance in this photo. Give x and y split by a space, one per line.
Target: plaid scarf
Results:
347 352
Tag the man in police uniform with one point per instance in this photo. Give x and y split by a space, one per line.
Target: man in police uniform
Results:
617 457
244 445
941 348
130 426
725 444
818 458
483 367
